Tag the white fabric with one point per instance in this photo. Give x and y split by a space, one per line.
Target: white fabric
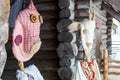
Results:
32 71
77 71
81 75
97 71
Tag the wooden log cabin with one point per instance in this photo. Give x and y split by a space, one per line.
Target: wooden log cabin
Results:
47 59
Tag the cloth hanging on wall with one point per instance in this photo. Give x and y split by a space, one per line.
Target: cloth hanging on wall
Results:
14 11
30 73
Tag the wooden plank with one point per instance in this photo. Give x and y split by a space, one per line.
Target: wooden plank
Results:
114 4
111 11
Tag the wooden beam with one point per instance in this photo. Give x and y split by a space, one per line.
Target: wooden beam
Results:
111 11
105 76
114 4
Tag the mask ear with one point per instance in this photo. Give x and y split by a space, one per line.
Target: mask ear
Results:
32 6
93 15
74 26
97 24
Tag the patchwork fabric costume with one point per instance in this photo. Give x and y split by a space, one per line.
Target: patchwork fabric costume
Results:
26 40
30 73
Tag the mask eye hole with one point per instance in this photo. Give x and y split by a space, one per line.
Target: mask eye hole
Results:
84 31
33 18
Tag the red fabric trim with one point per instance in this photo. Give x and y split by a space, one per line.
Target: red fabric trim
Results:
86 70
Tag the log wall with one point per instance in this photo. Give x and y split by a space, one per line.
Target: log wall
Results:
46 59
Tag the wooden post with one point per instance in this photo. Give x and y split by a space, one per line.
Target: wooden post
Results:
21 65
105 74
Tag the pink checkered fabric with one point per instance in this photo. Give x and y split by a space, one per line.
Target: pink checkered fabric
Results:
31 30
26 33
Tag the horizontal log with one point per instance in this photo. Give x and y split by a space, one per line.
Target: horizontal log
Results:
97 1
65 13
109 40
49 25
65 50
63 24
109 22
48 46
109 18
109 30
103 46
65 36
101 15
82 4
110 66
38 1
81 13
51 15
47 6
80 18
50 75
100 20
104 36
48 34
114 61
114 73
109 26
103 27
66 4
103 31
99 60
109 34
104 41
